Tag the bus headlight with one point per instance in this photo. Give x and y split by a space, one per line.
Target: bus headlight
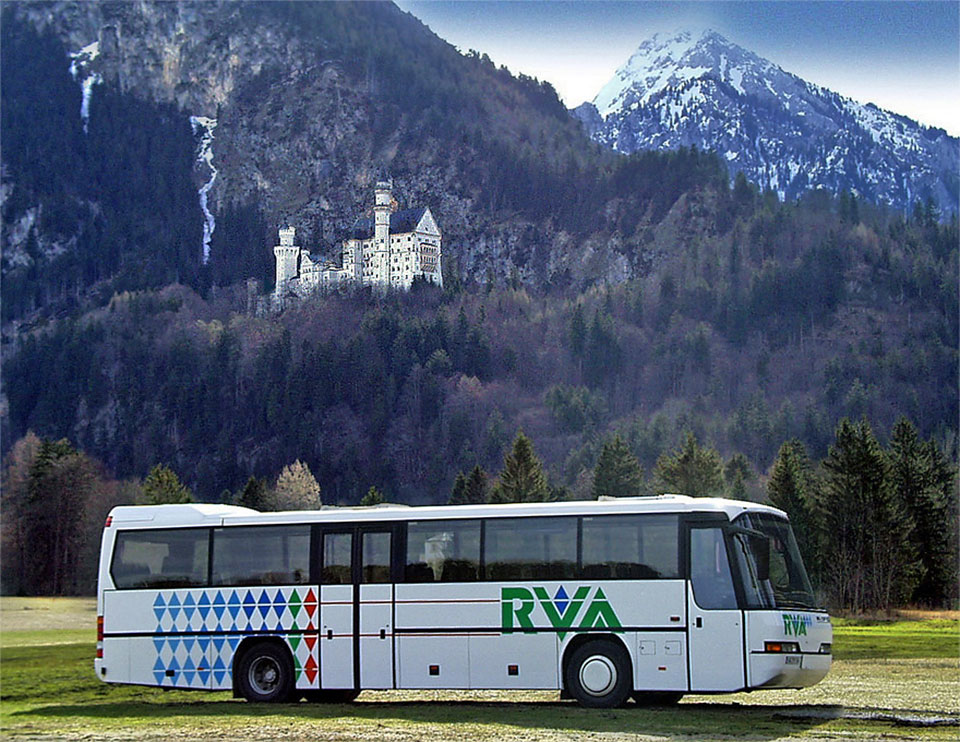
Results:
826 648
781 647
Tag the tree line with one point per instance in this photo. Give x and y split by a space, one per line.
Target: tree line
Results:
876 526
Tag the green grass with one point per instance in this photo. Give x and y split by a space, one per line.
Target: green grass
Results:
862 639
48 691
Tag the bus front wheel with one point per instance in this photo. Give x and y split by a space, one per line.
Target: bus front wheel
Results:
265 673
598 674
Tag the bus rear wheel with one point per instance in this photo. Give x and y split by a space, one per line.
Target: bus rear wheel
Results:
265 674
598 674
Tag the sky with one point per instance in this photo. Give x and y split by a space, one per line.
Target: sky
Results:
902 56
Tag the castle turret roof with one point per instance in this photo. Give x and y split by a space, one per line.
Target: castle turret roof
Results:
401 222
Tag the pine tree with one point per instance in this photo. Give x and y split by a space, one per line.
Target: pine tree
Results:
476 489
459 487
618 473
792 489
254 495
693 470
61 482
522 478
737 468
373 497
297 488
915 471
163 486
868 558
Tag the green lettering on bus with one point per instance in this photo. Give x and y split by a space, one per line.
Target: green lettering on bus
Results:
517 603
508 608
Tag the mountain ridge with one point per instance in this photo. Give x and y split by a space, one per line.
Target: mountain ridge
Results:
781 131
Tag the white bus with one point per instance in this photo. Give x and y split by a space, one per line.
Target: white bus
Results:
648 597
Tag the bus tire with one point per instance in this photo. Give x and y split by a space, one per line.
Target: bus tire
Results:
598 674
265 673
347 695
657 698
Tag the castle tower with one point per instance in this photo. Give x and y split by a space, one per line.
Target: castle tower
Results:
381 231
287 255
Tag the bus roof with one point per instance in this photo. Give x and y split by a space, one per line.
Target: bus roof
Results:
199 514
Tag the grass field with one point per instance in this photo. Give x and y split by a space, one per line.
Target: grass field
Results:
895 680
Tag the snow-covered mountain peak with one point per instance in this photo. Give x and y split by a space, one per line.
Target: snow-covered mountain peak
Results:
786 134
670 60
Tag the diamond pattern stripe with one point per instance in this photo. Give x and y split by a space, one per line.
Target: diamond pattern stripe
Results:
206 661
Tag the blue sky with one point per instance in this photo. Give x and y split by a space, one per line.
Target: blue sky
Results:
903 56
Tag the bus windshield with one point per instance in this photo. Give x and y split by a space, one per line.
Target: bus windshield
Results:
771 567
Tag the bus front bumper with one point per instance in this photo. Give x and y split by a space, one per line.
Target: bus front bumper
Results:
788 670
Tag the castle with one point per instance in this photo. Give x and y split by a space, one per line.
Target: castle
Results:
386 252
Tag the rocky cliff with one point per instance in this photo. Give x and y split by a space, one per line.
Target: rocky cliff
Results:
298 107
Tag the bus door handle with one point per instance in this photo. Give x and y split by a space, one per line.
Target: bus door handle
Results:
699 622
329 633
383 633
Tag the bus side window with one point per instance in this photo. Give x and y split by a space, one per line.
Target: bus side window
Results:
443 551
630 547
531 548
261 555
710 570
175 557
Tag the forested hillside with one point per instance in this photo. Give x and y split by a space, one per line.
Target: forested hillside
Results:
770 322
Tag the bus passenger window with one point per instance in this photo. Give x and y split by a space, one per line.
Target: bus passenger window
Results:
161 558
531 548
443 551
710 570
630 547
261 555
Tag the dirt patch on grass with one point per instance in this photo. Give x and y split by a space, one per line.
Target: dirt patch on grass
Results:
36 614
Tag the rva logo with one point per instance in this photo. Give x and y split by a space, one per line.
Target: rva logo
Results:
518 603
795 624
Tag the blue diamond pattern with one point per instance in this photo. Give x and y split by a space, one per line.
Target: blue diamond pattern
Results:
195 652
233 605
561 600
188 604
174 606
203 605
264 604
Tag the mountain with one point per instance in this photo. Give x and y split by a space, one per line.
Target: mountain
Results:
167 141
151 150
782 132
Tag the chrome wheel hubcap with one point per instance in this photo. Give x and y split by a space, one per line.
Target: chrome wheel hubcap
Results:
598 675
264 675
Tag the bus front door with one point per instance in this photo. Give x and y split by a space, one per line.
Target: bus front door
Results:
714 620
